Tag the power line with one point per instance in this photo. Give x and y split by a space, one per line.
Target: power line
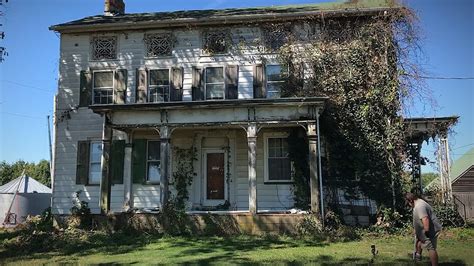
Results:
439 77
22 115
27 86
456 148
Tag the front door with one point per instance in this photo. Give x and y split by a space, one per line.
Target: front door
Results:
215 178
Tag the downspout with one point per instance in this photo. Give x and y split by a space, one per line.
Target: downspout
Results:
320 168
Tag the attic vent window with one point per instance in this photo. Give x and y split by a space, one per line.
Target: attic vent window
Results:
216 41
276 35
159 44
104 48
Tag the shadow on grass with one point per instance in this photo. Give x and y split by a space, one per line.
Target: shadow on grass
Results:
189 250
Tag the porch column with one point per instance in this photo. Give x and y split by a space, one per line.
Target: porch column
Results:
105 184
252 162
444 168
313 168
127 173
165 135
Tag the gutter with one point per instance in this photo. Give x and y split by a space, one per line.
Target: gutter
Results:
224 20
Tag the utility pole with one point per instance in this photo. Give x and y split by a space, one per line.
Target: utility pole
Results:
50 148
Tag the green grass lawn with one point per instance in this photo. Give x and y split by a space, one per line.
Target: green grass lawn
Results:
456 247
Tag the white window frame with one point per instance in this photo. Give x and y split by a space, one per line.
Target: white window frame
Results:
93 85
206 83
158 86
147 178
91 162
278 93
266 137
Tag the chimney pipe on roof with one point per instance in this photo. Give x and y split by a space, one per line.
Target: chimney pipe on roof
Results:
114 7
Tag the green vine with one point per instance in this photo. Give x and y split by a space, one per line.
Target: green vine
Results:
358 64
298 154
184 174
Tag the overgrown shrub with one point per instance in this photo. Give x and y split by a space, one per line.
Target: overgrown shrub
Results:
81 216
448 215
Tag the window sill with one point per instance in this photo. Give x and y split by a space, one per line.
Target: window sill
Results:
92 185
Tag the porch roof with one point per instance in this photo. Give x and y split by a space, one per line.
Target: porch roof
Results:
424 128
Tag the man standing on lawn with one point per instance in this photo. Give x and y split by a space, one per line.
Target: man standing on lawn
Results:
427 227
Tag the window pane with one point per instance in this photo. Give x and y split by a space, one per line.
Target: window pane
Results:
160 77
159 94
215 91
103 79
274 73
279 169
96 152
215 75
274 89
95 173
154 172
153 150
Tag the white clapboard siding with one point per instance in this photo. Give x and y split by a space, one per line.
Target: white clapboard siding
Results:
83 124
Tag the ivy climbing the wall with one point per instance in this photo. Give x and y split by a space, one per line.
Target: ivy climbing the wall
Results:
360 65
183 175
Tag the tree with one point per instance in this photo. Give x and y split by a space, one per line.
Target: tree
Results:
40 171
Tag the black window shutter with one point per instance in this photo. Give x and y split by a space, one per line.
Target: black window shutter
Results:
197 84
176 84
142 87
232 82
259 81
120 86
82 165
139 161
116 161
85 89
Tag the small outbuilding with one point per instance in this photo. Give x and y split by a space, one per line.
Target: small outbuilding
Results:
21 197
462 183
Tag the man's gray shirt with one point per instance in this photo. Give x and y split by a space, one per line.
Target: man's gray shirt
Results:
420 210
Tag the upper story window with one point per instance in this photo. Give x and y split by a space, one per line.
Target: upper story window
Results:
215 84
159 44
95 159
153 162
277 161
159 85
216 41
275 36
103 87
104 47
276 77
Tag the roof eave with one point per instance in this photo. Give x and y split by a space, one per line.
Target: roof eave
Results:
228 20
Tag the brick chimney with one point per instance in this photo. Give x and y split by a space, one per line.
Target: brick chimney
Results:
114 7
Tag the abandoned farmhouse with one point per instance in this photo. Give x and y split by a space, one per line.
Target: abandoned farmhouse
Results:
192 105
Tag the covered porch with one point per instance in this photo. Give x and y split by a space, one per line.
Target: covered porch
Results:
231 141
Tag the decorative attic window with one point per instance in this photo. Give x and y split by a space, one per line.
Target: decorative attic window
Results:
216 41
104 47
159 44
276 35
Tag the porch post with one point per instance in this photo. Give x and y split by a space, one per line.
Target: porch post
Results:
105 184
127 173
252 163
165 135
313 168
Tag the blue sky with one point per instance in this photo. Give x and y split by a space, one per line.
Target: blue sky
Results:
28 76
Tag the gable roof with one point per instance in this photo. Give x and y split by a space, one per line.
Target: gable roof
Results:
461 165
24 184
222 16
